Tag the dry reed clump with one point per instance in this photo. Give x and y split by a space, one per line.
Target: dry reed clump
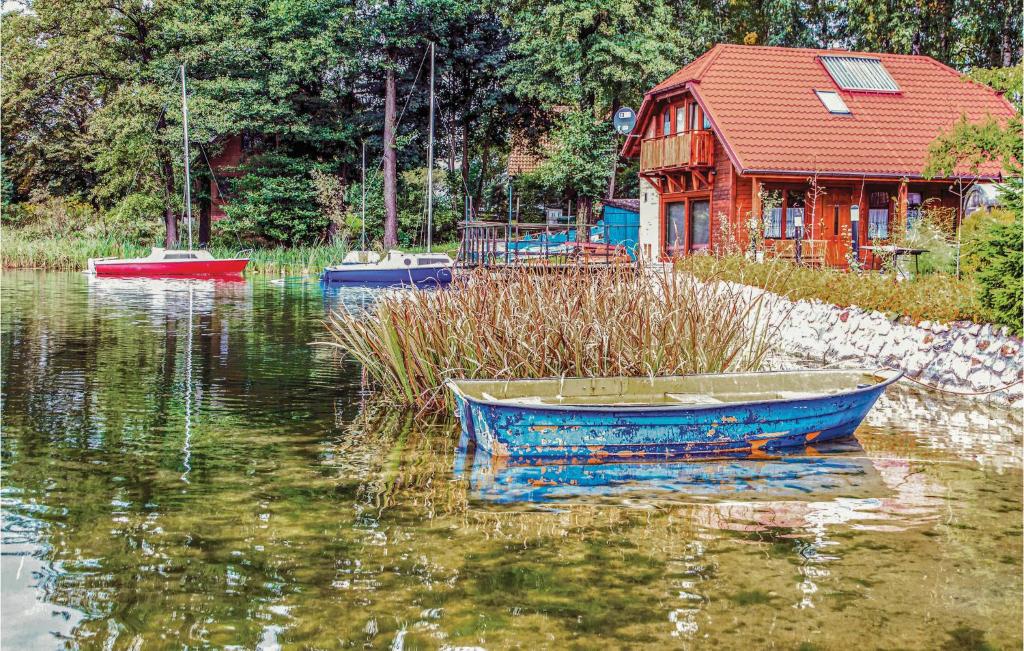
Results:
519 324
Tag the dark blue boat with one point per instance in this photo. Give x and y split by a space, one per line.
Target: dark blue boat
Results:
666 417
420 269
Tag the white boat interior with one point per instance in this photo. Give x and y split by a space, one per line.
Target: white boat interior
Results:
361 257
694 390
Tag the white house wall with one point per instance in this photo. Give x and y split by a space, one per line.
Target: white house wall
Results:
650 218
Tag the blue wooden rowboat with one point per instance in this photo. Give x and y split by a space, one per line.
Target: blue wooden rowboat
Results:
665 417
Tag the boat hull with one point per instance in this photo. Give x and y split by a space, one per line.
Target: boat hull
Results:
166 268
663 432
397 276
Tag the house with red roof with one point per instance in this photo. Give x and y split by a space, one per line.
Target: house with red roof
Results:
833 142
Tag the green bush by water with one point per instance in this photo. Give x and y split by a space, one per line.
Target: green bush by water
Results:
935 297
1000 272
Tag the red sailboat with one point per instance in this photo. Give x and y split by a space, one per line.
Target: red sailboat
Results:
164 262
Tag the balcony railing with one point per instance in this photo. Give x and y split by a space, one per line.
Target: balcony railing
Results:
691 149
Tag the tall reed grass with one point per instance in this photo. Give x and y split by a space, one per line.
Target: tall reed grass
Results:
20 251
579 323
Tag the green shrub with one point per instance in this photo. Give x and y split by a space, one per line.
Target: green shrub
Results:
275 202
999 272
137 218
941 255
974 232
935 297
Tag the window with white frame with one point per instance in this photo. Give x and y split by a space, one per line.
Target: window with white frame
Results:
878 215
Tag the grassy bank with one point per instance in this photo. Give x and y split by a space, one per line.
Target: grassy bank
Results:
933 297
578 323
20 251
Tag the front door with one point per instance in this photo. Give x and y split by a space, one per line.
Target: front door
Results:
700 225
835 225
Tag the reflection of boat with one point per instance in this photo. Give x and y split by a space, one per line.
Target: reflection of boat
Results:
810 473
666 416
398 268
164 262
158 298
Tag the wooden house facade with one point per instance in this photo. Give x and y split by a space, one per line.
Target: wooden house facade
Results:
748 140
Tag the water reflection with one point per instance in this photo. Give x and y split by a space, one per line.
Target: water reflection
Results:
313 518
814 473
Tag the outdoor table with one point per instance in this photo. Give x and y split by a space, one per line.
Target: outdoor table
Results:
897 252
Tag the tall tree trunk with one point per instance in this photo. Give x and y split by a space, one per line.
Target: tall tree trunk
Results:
465 165
584 206
390 161
485 155
1006 44
170 214
167 172
202 195
615 159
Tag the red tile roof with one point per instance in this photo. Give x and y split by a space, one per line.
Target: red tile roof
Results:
762 103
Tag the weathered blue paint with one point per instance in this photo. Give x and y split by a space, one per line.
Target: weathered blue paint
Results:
651 432
811 472
623 227
412 275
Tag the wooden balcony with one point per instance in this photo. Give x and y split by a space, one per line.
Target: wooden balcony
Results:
682 150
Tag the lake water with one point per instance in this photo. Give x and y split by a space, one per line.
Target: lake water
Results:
182 469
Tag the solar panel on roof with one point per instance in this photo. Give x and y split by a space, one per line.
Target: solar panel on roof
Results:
859 73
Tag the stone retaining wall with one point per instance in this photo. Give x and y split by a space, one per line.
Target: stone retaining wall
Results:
962 357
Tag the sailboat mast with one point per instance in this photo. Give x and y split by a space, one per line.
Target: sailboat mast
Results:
362 217
430 156
188 175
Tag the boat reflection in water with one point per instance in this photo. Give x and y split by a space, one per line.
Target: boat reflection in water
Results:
817 473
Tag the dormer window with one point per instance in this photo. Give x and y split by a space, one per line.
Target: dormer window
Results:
833 102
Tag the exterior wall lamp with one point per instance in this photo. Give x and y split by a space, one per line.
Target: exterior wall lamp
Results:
854 230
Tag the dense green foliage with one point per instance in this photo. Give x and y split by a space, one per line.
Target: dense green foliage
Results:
1000 276
91 99
276 203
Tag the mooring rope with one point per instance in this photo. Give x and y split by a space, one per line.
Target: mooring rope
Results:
933 387
957 393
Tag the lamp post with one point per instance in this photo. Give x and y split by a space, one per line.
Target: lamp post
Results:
798 230
855 230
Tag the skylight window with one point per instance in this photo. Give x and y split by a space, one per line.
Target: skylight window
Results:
860 73
833 102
